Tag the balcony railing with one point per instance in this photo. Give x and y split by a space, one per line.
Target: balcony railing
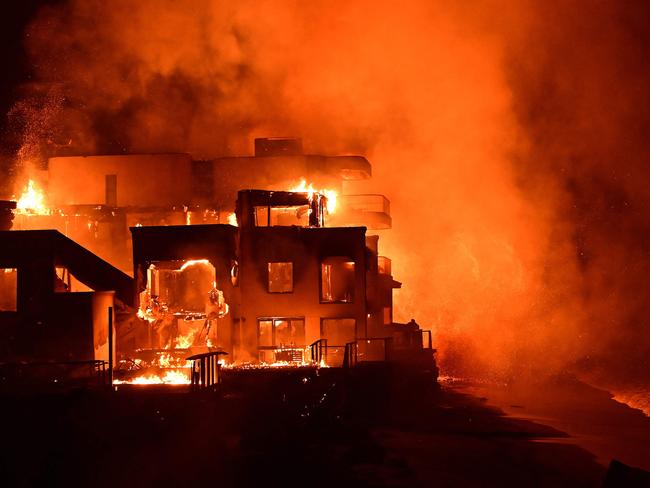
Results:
385 265
366 203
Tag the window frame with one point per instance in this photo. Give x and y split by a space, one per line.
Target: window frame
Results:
273 320
268 278
320 282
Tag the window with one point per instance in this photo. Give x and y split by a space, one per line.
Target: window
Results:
280 277
281 332
8 289
293 215
337 280
234 273
265 333
338 332
287 215
262 217
388 315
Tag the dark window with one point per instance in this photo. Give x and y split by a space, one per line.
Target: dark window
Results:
338 332
280 277
277 332
337 280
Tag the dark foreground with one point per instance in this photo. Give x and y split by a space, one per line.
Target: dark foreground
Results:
303 428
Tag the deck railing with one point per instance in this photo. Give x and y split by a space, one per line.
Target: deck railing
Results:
205 372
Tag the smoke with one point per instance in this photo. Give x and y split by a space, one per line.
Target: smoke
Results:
510 141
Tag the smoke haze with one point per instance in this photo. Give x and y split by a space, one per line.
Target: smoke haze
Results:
510 138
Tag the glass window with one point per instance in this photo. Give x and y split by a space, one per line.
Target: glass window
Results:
276 332
287 216
337 279
280 277
338 332
266 333
262 216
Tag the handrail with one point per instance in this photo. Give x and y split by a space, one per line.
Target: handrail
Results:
351 355
205 372
318 350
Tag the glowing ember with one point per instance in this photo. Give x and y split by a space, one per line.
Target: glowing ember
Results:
32 201
331 195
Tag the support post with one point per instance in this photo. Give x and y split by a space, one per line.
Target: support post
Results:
110 347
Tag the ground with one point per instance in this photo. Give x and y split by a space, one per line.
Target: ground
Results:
300 428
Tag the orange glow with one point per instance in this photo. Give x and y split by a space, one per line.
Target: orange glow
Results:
32 201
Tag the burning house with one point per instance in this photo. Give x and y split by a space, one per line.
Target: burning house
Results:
202 267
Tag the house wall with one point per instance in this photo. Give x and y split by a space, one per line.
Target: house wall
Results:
144 180
305 248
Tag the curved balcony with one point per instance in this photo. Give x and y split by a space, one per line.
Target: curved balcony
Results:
370 210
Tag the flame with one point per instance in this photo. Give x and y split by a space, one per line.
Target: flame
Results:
186 341
32 201
173 377
232 219
193 262
330 195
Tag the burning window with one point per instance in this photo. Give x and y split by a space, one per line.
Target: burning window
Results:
182 304
182 286
282 216
281 332
8 289
262 216
280 277
338 332
337 280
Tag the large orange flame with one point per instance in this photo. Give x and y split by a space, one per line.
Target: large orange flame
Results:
32 200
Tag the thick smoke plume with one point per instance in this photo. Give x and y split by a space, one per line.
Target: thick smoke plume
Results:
510 140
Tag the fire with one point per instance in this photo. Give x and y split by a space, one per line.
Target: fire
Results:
185 341
32 201
192 262
173 377
232 219
331 195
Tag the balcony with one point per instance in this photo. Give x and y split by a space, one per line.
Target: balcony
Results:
385 265
371 211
